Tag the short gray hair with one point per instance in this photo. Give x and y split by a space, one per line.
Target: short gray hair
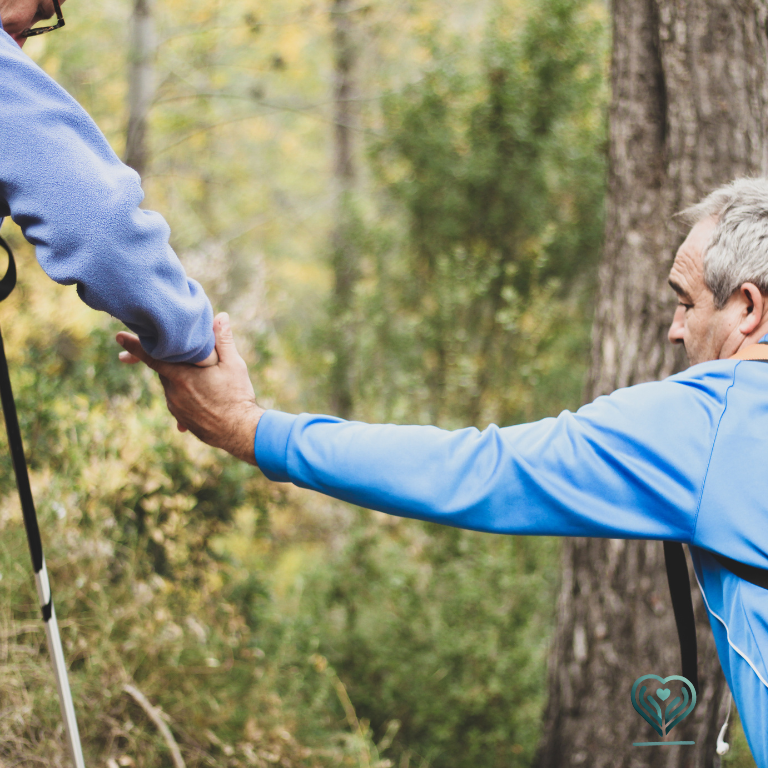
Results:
737 253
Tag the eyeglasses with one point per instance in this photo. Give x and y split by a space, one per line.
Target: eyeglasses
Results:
42 30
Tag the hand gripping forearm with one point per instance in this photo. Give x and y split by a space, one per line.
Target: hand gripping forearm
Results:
216 403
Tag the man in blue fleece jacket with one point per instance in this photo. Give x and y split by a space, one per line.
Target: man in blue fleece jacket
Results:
79 206
681 459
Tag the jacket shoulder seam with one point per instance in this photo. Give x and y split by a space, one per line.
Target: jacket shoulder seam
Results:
711 452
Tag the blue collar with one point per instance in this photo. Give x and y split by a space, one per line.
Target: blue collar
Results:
764 340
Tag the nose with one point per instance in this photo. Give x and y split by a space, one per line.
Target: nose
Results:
677 328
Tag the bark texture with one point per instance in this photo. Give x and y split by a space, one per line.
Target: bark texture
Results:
688 113
344 256
141 86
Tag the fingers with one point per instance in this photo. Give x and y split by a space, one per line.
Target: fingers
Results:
135 352
133 348
127 357
225 341
179 425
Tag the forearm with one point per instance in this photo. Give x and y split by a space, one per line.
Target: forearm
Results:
79 205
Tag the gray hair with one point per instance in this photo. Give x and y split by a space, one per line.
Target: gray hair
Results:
737 252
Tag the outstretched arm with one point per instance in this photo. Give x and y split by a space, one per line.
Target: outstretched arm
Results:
619 468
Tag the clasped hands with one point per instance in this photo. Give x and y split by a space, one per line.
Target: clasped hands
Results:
213 400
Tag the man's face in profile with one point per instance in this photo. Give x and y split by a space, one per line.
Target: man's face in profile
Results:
697 324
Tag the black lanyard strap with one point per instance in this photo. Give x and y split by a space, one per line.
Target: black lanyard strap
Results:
750 573
15 443
680 592
8 283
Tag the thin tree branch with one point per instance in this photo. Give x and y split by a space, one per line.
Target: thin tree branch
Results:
156 715
206 128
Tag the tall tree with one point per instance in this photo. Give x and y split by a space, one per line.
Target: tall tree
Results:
344 251
140 84
688 110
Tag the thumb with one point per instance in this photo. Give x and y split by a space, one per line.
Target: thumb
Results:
225 341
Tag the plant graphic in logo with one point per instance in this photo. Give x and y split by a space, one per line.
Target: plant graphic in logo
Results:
652 698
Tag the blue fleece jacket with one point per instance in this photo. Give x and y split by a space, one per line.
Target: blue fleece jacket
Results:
682 459
79 206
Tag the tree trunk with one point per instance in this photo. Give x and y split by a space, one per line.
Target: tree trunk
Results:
344 255
687 114
140 84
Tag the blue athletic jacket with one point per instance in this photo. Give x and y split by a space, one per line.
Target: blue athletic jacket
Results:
682 459
79 206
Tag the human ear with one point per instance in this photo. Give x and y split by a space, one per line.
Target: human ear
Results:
754 305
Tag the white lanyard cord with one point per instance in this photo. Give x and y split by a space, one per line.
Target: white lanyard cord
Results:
722 745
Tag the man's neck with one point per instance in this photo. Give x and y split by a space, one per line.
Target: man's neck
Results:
754 338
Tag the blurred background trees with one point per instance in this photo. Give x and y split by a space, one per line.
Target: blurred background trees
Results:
401 206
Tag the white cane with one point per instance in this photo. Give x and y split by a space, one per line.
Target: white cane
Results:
33 535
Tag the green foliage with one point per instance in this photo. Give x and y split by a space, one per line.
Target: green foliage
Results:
439 637
500 176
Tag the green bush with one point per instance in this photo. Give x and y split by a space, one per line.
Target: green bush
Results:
441 633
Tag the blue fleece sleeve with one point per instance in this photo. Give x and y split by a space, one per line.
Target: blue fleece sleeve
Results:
79 206
627 466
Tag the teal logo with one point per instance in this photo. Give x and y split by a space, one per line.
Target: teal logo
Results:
663 703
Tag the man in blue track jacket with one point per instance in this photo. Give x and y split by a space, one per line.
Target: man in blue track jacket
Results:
79 205
681 459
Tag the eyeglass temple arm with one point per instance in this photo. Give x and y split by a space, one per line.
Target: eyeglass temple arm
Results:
31 32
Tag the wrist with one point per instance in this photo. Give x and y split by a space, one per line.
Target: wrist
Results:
247 422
